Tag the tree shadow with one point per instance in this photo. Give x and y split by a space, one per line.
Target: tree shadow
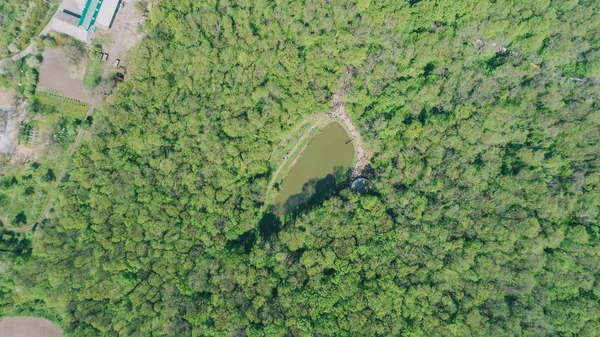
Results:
12 242
314 192
269 225
243 244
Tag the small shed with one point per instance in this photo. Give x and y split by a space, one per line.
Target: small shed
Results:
360 185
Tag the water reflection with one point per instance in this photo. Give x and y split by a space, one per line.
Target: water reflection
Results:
315 190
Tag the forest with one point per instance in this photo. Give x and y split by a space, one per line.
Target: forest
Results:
482 214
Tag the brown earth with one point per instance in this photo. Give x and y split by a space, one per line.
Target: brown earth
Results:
7 97
55 74
363 157
28 327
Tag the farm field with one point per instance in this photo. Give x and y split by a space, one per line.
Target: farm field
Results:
59 75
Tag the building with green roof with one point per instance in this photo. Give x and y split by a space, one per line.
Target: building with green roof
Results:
94 13
90 12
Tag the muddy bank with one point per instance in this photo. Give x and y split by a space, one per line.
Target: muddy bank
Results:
338 112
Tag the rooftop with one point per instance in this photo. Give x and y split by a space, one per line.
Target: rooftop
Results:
67 17
90 12
107 13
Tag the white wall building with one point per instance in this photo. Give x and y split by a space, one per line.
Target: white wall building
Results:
79 18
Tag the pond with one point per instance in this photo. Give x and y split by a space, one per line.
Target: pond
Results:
326 157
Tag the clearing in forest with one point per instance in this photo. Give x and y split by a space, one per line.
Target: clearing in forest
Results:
319 166
327 149
289 157
28 326
58 73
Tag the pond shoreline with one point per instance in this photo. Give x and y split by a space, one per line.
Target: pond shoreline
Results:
363 158
316 166
337 114
301 154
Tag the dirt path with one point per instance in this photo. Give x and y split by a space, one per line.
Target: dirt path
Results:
363 158
290 134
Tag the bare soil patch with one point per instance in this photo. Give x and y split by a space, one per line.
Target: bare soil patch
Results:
12 111
22 155
7 97
363 158
56 73
29 327
124 34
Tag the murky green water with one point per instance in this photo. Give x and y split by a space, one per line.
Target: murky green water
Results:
325 159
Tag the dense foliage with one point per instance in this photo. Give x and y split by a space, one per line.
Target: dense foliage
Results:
483 214
21 21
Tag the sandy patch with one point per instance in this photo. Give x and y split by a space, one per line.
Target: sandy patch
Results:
28 327
22 155
7 97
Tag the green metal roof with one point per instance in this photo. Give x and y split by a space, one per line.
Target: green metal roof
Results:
90 12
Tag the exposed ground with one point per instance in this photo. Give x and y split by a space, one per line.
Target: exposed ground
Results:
7 97
23 154
123 33
12 112
363 158
56 73
28 327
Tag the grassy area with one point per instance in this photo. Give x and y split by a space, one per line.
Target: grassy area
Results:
23 21
48 132
64 106
25 190
93 72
